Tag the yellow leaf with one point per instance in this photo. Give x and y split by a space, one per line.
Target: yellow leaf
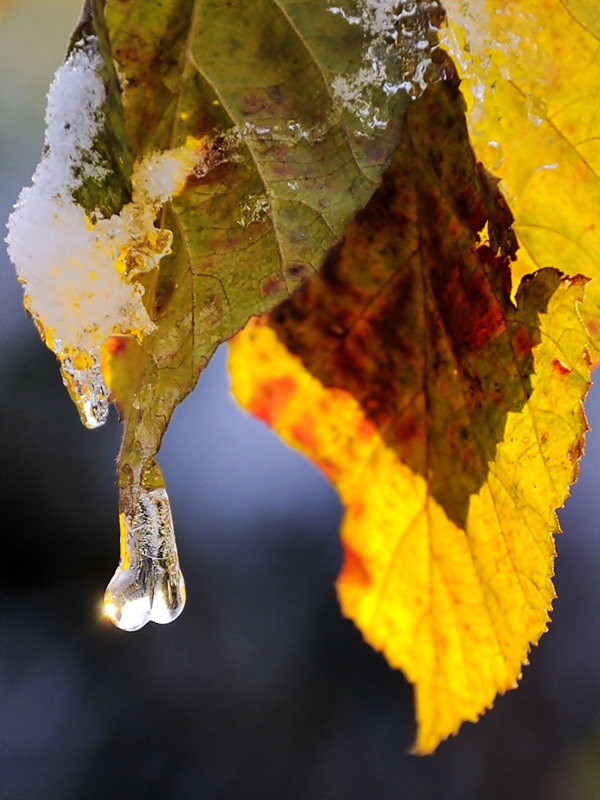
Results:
454 608
448 417
531 71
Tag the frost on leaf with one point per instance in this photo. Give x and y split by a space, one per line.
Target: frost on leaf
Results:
396 57
78 268
448 416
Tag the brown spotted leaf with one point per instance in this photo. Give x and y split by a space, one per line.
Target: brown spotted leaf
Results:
298 107
531 77
447 414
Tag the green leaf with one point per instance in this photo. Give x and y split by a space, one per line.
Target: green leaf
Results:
300 107
292 112
110 194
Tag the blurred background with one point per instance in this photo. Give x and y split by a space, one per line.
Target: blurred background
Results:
261 690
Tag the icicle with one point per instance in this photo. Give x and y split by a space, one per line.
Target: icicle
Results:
81 375
148 585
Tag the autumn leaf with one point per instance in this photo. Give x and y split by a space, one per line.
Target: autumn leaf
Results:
204 159
532 80
299 109
201 158
448 417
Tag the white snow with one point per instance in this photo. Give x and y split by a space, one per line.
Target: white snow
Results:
75 266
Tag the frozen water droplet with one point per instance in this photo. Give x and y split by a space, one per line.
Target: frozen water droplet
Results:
537 110
492 155
80 370
148 585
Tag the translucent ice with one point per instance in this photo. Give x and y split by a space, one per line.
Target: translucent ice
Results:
82 376
148 585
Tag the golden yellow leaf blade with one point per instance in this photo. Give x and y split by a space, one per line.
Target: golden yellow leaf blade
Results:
455 609
586 13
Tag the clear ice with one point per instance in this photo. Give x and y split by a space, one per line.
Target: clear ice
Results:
82 376
148 585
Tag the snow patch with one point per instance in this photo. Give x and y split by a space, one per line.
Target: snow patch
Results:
77 268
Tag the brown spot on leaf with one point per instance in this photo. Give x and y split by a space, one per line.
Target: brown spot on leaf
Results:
272 285
253 103
164 293
366 430
407 428
215 176
523 342
116 345
328 469
299 272
271 397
